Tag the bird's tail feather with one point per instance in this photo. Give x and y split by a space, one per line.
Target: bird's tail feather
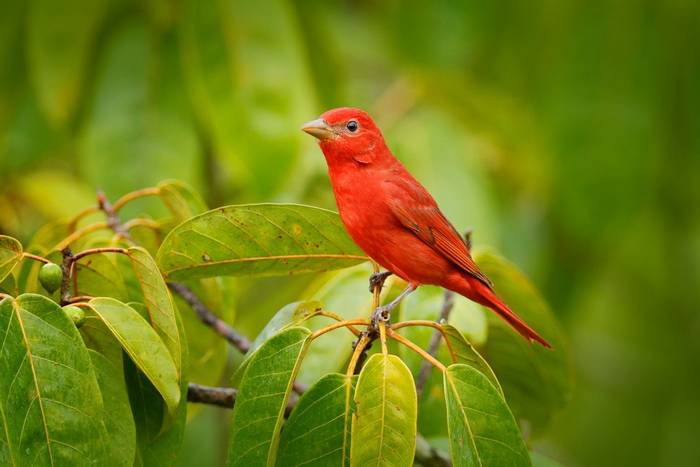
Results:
487 297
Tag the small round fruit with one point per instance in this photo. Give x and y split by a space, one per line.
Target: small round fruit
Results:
75 313
50 276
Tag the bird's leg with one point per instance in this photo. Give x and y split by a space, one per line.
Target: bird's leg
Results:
382 312
378 278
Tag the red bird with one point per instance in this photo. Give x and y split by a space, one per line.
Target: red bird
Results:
394 219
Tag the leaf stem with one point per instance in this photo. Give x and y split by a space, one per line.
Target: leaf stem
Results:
402 340
80 233
38 258
73 223
127 198
439 331
334 326
335 316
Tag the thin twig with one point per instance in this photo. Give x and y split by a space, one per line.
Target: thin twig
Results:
447 304
112 218
209 318
222 397
66 270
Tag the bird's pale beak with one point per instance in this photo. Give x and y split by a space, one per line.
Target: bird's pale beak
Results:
319 129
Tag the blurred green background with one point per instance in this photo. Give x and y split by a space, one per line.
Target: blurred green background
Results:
565 133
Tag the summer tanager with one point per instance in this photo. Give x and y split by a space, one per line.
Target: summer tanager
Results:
394 219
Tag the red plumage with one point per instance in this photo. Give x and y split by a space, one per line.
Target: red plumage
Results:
393 218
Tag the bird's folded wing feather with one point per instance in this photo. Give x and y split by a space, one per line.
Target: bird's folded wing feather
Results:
418 212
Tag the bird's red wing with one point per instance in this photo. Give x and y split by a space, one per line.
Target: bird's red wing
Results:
418 212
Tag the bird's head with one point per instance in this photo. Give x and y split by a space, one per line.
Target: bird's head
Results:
347 134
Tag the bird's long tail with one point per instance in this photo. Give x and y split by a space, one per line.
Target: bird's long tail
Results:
481 293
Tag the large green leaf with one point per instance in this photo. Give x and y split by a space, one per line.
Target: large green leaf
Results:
58 51
143 346
106 355
50 402
99 276
262 398
384 422
159 302
159 434
318 430
10 254
257 239
536 381
482 429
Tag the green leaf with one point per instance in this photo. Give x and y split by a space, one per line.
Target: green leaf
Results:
318 430
468 355
262 398
106 355
180 199
481 427
536 381
143 346
257 239
50 402
58 51
384 422
99 276
159 435
159 302
10 255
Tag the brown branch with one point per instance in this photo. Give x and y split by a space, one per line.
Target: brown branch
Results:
209 318
222 397
66 269
447 304
113 221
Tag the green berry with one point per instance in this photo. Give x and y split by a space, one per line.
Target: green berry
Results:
75 313
50 276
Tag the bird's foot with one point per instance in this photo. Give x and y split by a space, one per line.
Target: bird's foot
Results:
377 279
381 314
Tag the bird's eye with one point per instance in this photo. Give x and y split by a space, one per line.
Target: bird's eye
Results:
352 126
